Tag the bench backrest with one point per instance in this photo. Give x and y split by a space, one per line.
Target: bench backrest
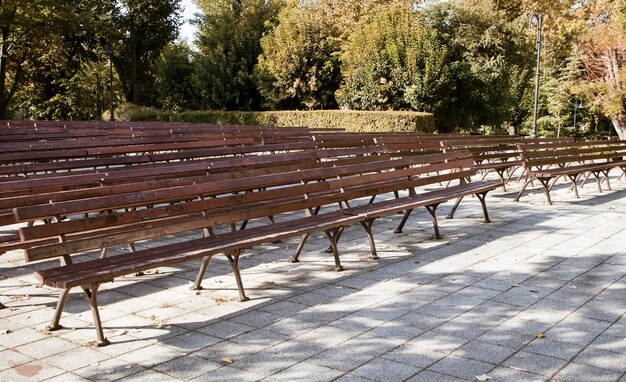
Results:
154 213
538 155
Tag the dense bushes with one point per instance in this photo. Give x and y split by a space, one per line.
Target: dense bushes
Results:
350 120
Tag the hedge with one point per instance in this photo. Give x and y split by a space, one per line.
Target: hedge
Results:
347 119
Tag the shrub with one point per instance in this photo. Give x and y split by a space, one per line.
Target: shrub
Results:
347 119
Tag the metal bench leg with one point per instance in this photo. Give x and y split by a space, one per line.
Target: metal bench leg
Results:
573 178
132 248
606 176
481 197
521 192
596 175
233 259
431 210
332 236
54 324
296 255
337 237
367 224
197 284
501 175
407 213
91 293
454 208
546 188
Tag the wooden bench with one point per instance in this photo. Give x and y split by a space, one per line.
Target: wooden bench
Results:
499 154
547 163
150 214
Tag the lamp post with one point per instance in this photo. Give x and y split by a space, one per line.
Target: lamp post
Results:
109 52
537 18
578 104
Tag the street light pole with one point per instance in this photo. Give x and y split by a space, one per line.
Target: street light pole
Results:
538 19
108 51
576 106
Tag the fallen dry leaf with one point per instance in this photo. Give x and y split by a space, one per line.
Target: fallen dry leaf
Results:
90 343
226 361
166 305
539 335
483 377
268 283
5 331
219 300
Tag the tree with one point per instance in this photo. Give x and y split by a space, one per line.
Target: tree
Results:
488 61
602 48
299 66
42 44
229 46
139 31
175 79
393 63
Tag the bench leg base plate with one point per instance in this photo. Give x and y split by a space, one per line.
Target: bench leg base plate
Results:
50 328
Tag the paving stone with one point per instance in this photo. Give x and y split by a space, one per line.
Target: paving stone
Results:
191 341
386 370
112 369
76 358
187 367
33 371
67 377
506 338
260 339
602 359
505 374
257 319
230 374
438 341
610 343
550 347
535 363
575 372
414 355
265 363
11 358
352 378
305 371
461 367
485 352
45 348
394 330
577 329
225 329
151 375
284 308
158 354
430 376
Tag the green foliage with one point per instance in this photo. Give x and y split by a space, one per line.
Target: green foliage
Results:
43 46
393 63
140 30
349 120
299 66
487 58
229 44
175 78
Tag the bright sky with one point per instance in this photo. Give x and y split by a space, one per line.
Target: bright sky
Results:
187 30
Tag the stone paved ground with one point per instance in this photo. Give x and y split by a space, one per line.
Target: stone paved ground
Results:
537 295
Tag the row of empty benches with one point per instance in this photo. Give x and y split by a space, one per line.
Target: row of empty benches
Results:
73 188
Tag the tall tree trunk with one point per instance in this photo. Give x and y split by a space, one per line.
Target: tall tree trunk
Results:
619 123
4 101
